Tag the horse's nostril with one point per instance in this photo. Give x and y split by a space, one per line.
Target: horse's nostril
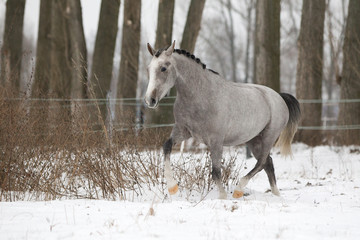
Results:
153 101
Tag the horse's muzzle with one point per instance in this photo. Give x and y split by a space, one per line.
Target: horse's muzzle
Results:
151 102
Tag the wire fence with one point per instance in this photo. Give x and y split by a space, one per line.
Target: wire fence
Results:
322 101
139 101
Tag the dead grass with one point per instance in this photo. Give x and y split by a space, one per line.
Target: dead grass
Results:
51 151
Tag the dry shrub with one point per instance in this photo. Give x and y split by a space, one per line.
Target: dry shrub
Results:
193 171
50 150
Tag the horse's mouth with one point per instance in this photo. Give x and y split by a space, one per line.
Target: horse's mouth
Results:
154 106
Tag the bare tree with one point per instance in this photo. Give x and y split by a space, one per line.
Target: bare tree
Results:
350 81
223 35
129 63
310 68
40 86
102 65
61 66
60 76
333 43
11 51
267 44
291 11
68 50
193 24
78 52
334 53
227 9
248 17
164 23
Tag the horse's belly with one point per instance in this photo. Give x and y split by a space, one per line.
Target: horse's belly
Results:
240 138
241 132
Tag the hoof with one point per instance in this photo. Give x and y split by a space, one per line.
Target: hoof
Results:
238 194
173 189
276 193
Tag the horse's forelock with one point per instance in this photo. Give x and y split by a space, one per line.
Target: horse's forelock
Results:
158 52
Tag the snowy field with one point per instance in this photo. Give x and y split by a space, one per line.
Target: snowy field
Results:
320 199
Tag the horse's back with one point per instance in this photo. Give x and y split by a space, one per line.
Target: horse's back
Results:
253 108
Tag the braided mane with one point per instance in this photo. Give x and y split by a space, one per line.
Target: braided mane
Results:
187 54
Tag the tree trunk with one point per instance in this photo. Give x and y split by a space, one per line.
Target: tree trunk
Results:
163 114
193 25
267 44
335 49
78 58
102 64
129 63
248 42
229 29
60 76
78 52
40 87
310 68
350 82
165 23
11 52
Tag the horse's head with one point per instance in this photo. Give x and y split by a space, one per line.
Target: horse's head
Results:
161 73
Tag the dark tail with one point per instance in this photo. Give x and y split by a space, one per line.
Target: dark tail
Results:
287 135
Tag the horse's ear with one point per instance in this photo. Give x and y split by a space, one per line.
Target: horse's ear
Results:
150 49
170 50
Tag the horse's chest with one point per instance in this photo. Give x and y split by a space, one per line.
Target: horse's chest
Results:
195 120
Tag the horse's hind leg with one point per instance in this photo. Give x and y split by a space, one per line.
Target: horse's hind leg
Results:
269 169
260 147
238 192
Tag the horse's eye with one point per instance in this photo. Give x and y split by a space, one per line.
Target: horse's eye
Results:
163 69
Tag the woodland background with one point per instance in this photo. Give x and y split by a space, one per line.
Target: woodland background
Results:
62 84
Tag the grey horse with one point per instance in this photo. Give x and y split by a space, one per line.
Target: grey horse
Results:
220 113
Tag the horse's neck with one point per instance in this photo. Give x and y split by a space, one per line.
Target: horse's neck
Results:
191 79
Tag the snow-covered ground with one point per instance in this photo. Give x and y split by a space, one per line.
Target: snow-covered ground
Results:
320 199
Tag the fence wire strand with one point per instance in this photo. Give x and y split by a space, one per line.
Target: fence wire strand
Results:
139 102
323 101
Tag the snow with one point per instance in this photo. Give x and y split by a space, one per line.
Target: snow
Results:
320 199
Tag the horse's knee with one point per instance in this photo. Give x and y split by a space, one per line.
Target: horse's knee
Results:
216 154
167 147
216 173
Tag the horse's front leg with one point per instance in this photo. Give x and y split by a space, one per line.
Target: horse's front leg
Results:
171 183
178 134
216 155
